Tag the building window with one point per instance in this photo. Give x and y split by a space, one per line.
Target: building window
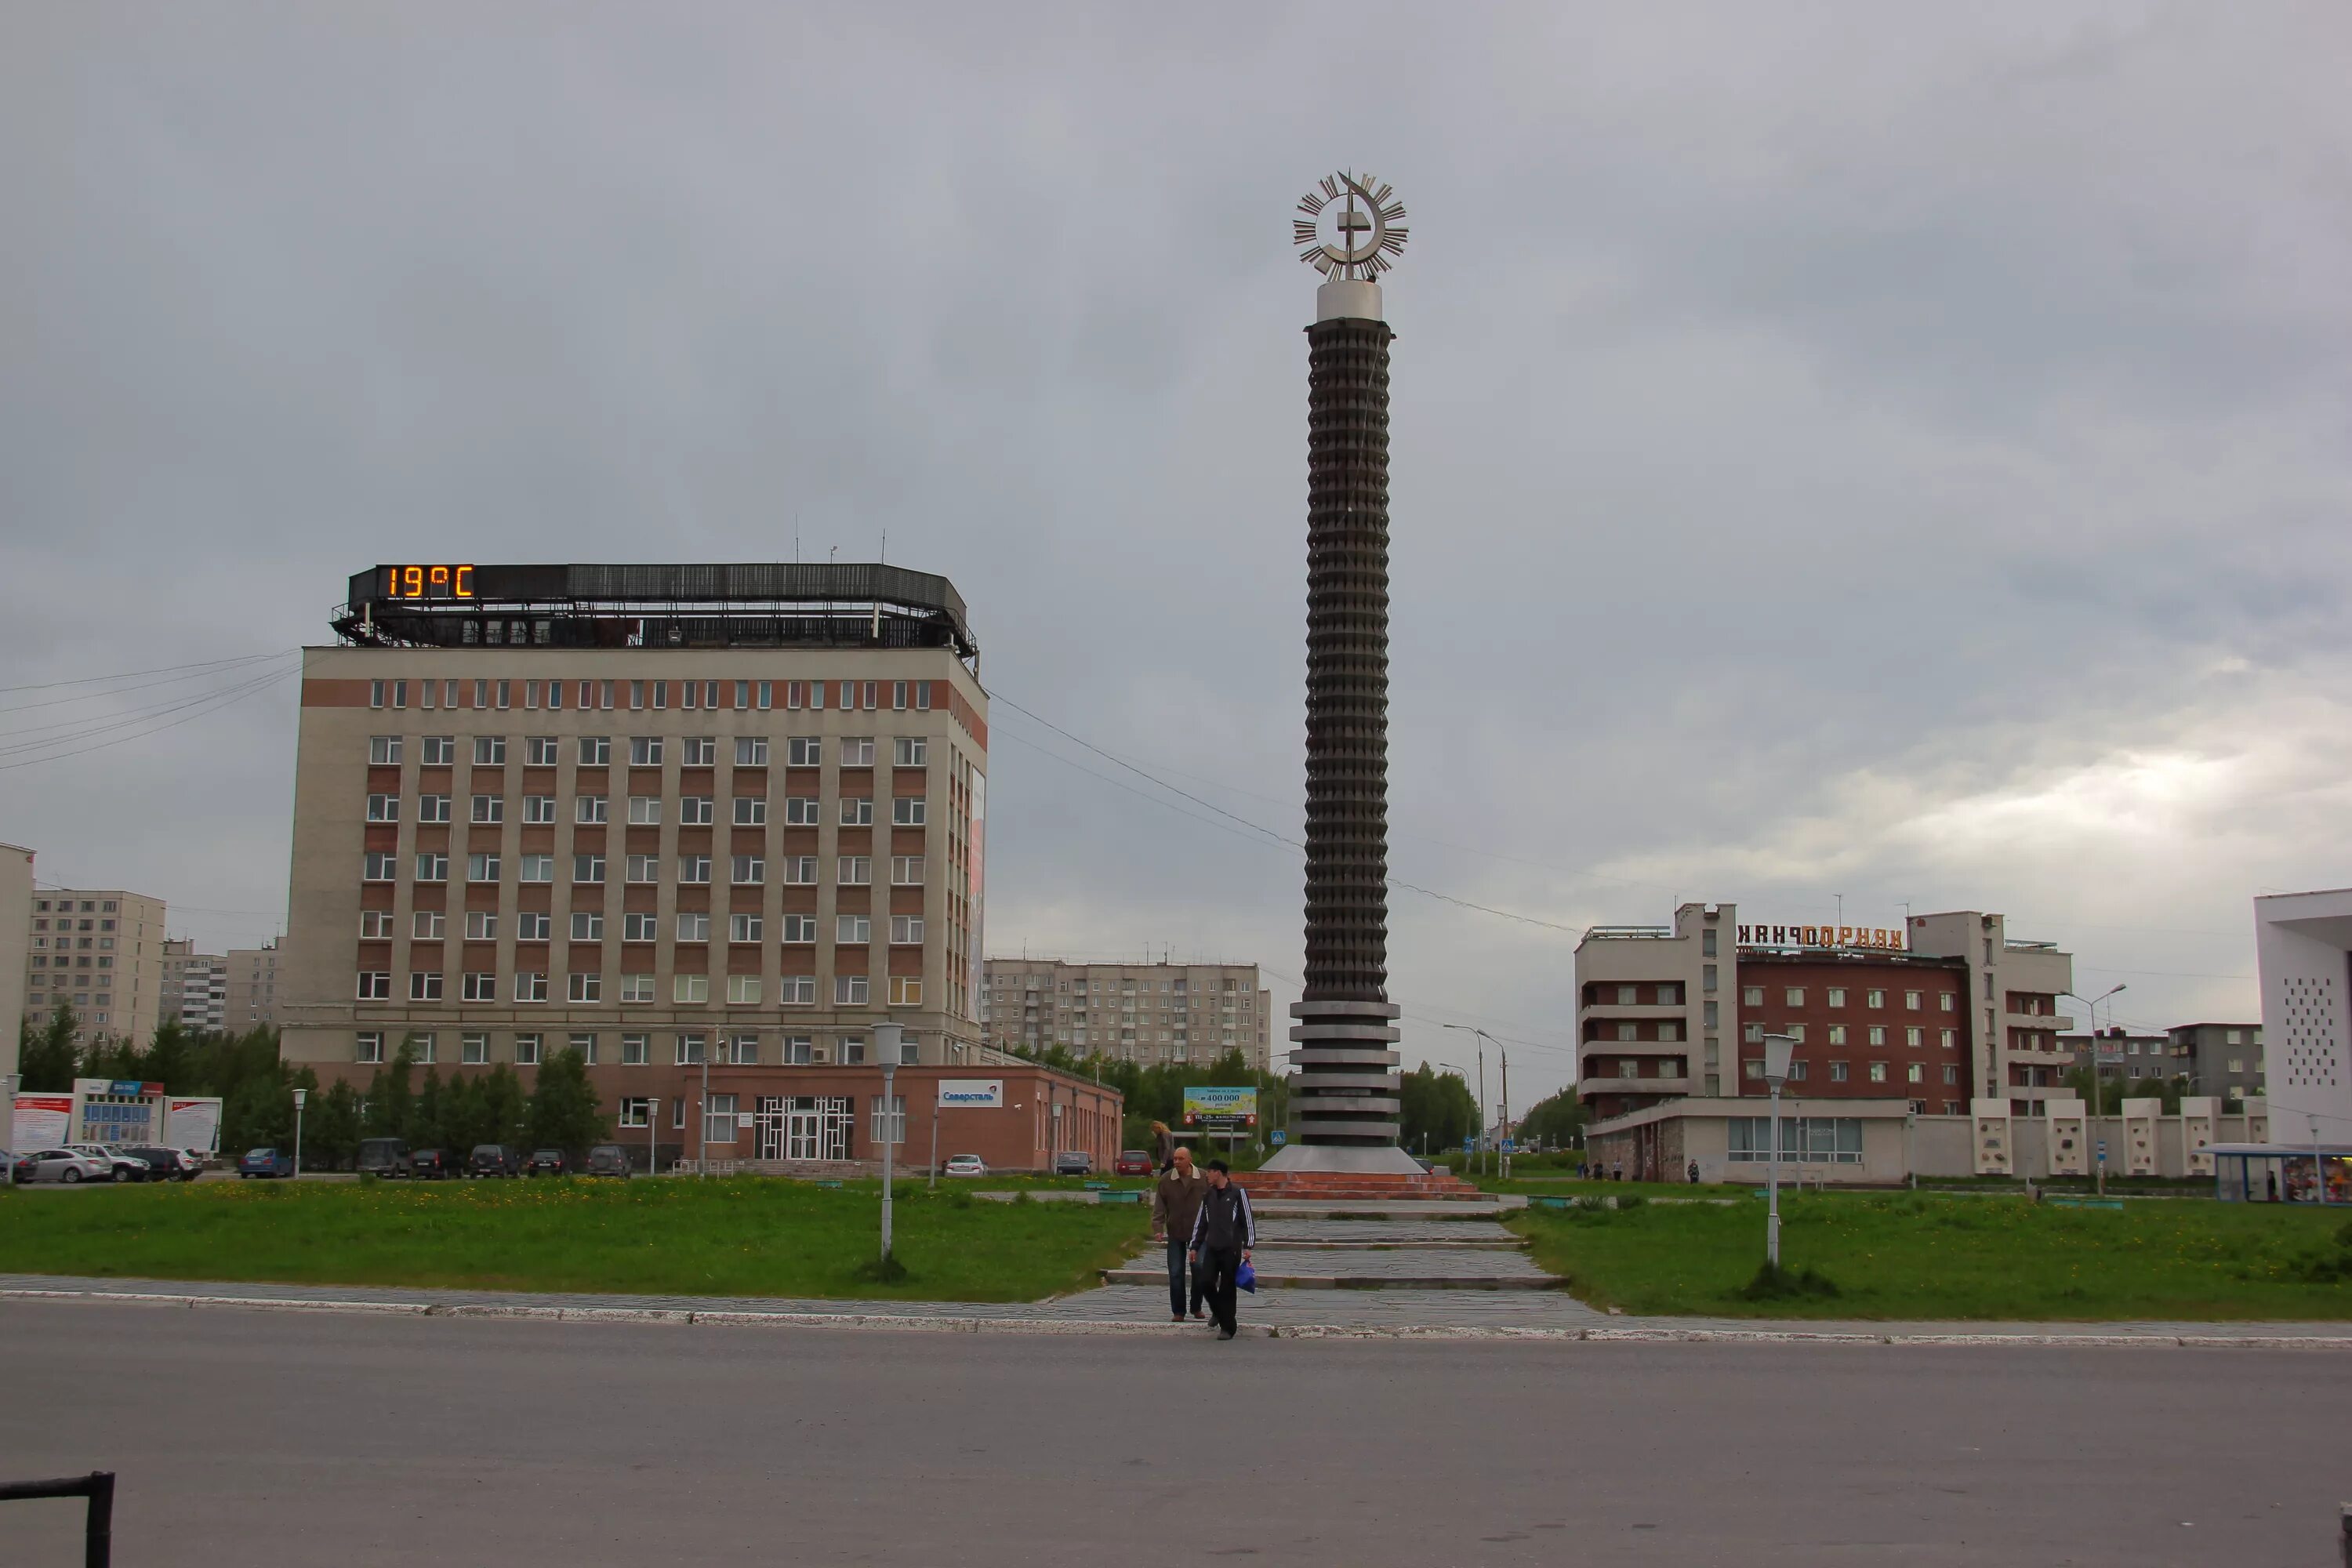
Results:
850 990
693 925
1878 1033
744 928
697 810
587 925
383 808
1950 1000
383 751
908 810
906 930
855 930
596 751
632 1050
906 990
421 1049
375 924
1670 1031
1878 1072
481 868
910 750
750 870
855 870
702 750
1629 1031
694 989
641 871
377 866
857 750
804 750
1837 995
718 1119
890 1121
694 870
800 928
1914 1038
375 985
1837 1072
1914 1072
1837 1032
750 751
587 870
1752 1070
645 751
639 927
1951 1072
433 807
751 811
1810 1139
424 986
1913 1001
587 988
1947 1038
744 1051
692 1049
797 991
856 811
536 867
585 1045
368 1048
474 1050
906 870
531 986
638 987
531 925
1751 996
1754 1034
479 986
432 866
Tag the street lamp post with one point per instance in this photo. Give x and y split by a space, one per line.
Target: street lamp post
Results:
1482 1038
2318 1166
1465 1077
885 1040
1777 1051
300 1096
702 1136
653 1136
2091 1006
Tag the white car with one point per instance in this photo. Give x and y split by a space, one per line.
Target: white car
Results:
966 1165
120 1167
67 1165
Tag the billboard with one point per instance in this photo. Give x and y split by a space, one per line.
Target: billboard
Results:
40 1121
971 1093
192 1124
1220 1110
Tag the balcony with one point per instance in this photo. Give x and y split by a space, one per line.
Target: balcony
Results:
1633 1011
1587 1086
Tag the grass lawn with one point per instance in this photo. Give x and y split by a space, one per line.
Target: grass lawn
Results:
1899 1255
746 1236
1570 1187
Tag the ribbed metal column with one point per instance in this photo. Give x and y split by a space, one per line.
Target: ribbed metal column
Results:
1345 1087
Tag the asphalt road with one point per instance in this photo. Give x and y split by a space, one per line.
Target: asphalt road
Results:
272 1437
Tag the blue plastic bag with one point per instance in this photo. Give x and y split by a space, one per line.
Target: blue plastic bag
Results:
1245 1278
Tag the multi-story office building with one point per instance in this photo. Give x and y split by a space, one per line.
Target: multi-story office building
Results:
2221 1059
1665 1011
1148 1012
100 954
2302 946
250 998
195 986
16 953
672 817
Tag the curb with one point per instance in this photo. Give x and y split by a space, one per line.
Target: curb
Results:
1081 1327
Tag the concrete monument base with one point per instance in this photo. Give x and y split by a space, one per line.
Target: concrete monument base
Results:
1324 1159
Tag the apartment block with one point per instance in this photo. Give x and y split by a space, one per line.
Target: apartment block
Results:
1147 1013
2222 1059
16 951
249 999
195 986
100 954
672 817
1666 1012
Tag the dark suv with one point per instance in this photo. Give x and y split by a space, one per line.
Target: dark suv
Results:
385 1157
546 1163
495 1159
432 1165
165 1165
608 1160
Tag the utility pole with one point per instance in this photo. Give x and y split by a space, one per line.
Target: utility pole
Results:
1468 1029
886 1039
702 1138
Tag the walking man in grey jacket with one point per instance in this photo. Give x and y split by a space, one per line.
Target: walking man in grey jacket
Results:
1223 1238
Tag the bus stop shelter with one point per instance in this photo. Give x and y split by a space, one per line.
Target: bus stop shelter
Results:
2282 1172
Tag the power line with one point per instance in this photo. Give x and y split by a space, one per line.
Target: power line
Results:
201 708
197 674
126 675
94 723
178 704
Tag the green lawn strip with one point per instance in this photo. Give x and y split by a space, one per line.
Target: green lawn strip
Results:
745 1236
1570 1187
1905 1256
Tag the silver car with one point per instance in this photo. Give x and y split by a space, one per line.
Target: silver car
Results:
67 1165
120 1166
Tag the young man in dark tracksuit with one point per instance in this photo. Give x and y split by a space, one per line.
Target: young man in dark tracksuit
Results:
1221 1240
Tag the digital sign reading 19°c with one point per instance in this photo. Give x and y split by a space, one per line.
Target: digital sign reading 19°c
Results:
442 582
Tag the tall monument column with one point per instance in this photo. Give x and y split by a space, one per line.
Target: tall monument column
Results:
1344 1088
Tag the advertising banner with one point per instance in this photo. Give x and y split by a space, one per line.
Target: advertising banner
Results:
192 1124
40 1121
1220 1110
972 1094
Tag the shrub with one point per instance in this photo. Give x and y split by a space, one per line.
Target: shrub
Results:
1772 1284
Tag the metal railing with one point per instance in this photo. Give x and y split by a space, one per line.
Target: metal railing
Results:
98 1519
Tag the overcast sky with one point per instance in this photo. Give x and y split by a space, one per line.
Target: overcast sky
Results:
1889 451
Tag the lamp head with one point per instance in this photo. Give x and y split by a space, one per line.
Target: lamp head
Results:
1779 1051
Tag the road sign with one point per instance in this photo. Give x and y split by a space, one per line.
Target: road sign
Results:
1469 1144
2103 1150
1280 1137
1509 1146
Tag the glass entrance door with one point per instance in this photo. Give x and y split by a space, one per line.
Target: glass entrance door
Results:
770 1122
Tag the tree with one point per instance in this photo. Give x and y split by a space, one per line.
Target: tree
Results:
505 1115
170 1058
258 1114
564 1111
390 1103
47 1060
330 1128
428 1124
1436 1109
1556 1122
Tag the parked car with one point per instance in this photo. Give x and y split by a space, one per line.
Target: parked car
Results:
167 1164
608 1160
67 1165
966 1165
265 1163
546 1163
495 1159
9 1164
432 1165
1074 1163
1132 1162
122 1167
385 1157
197 1158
